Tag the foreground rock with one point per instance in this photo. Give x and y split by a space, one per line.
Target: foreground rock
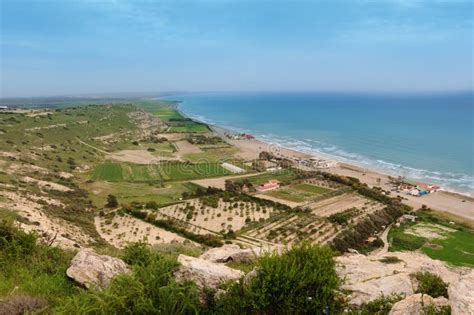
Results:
204 273
416 304
461 295
93 270
232 252
366 277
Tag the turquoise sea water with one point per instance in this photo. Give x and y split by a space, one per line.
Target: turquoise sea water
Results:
425 137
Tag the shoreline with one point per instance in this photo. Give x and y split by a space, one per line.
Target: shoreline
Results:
454 202
301 153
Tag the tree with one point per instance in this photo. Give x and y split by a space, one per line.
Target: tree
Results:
264 155
111 201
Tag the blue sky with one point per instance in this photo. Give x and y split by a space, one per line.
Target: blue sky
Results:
85 46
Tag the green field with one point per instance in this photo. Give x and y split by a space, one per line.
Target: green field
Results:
284 176
184 171
298 192
166 113
127 192
191 127
177 122
454 243
289 194
213 155
116 172
311 188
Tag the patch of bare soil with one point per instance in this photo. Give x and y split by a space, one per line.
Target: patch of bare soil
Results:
121 230
46 185
185 147
283 201
136 156
51 231
429 231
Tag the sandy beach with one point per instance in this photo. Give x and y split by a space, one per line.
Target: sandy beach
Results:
454 203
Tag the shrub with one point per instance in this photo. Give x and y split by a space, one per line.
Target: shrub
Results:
151 205
391 260
111 201
431 284
137 254
301 281
381 305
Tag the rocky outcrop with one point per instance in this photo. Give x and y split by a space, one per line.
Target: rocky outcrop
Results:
204 273
461 295
232 252
367 277
93 270
416 304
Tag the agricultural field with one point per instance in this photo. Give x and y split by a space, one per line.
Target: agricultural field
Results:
436 237
290 229
299 192
126 192
284 176
164 171
322 221
189 127
221 217
167 113
121 229
219 154
342 202
177 122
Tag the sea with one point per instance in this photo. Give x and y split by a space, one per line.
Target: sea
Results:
424 137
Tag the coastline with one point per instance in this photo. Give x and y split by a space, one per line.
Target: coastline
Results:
457 203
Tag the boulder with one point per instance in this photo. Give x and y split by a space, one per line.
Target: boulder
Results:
250 276
366 277
93 270
415 304
461 295
204 273
232 252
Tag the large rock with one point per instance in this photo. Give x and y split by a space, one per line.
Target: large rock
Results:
366 277
93 270
461 295
415 304
232 252
204 273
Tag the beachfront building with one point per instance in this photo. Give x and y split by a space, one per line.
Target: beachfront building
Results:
270 185
417 189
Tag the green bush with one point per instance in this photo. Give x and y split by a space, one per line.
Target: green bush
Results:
301 281
431 284
391 260
380 306
137 254
111 201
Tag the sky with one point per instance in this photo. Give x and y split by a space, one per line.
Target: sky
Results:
72 47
